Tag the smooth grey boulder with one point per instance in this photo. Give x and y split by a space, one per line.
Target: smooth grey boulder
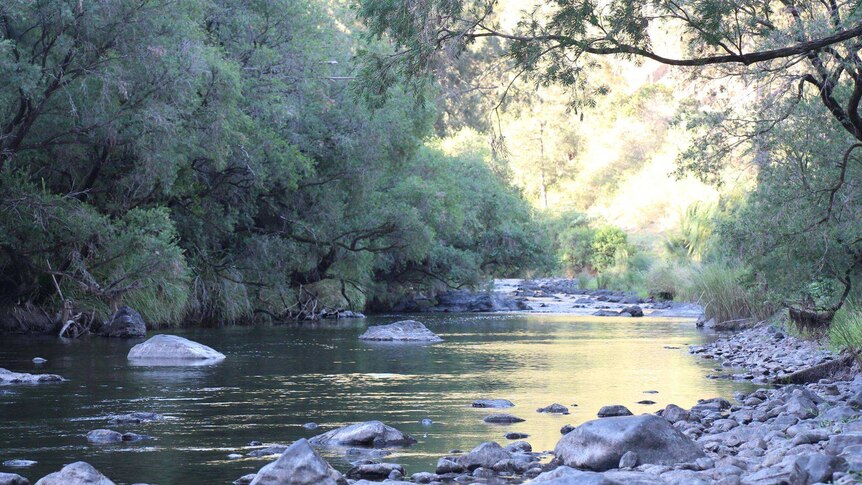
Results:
614 410
502 419
674 413
19 463
819 467
493 403
13 479
600 444
371 433
484 455
78 473
125 323
299 465
173 350
569 476
403 331
634 311
9 377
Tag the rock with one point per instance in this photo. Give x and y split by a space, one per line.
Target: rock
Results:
9 377
245 479
519 447
134 418
298 465
646 402
674 413
468 301
448 465
554 408
569 476
819 467
614 410
13 479
424 477
374 471
403 331
104 436
126 323
19 463
173 350
78 473
516 436
268 451
502 419
234 456
566 429
600 444
838 443
371 433
634 311
492 403
629 460
310 425
606 313
484 455
39 360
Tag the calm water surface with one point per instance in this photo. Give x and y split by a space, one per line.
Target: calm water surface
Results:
277 378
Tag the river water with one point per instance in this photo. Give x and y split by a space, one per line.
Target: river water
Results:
277 378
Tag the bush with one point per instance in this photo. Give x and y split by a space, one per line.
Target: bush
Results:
668 281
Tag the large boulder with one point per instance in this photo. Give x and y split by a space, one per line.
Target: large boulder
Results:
484 455
299 465
370 433
126 323
9 377
173 350
600 444
78 473
403 331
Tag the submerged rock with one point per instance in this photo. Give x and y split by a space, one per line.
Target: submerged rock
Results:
371 433
502 419
600 444
493 403
19 463
134 418
268 451
9 377
39 360
173 350
107 436
299 465
403 331
78 473
126 323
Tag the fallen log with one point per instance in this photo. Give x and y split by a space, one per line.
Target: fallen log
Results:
817 372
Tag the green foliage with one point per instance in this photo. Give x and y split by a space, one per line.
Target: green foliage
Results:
204 161
610 247
727 293
845 333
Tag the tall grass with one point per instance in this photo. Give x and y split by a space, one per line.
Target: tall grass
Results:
845 332
722 291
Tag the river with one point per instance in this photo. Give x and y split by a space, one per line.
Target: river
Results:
277 378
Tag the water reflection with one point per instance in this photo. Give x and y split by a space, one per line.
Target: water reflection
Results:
276 379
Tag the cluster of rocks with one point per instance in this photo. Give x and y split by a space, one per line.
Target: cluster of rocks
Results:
766 354
9 377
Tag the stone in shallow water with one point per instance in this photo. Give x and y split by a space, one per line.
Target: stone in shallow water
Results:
493 403
13 479
173 350
569 476
372 471
404 331
371 433
484 455
9 377
134 418
126 323
310 426
554 408
78 473
268 451
502 419
19 463
298 465
39 360
600 444
516 436
614 410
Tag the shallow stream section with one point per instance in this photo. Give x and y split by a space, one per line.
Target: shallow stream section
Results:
275 379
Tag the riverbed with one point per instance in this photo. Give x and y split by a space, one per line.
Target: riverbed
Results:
276 378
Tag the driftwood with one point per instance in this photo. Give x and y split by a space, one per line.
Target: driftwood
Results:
817 372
